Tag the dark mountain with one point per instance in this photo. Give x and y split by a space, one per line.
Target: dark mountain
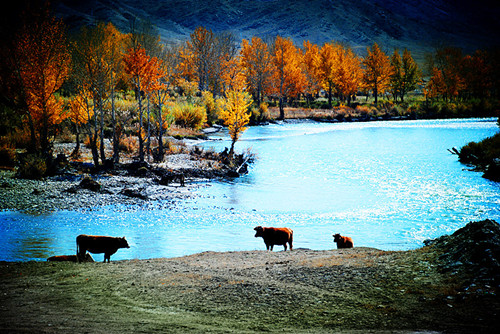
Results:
419 25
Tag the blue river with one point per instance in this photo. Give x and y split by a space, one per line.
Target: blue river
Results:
388 185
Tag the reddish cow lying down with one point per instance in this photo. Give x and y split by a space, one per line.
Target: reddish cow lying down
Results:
342 242
275 236
99 244
70 258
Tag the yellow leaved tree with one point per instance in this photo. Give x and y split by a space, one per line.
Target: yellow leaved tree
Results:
233 110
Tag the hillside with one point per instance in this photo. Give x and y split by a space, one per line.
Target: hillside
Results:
419 25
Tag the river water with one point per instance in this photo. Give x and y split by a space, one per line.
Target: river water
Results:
388 185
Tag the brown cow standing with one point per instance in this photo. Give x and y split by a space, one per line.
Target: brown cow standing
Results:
342 242
99 244
275 236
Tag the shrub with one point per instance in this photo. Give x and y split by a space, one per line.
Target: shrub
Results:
87 144
482 153
7 155
364 110
189 115
32 166
66 136
260 114
129 144
208 102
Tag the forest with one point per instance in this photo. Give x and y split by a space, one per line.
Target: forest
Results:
133 89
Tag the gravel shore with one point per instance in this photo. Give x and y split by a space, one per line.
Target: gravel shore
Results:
62 191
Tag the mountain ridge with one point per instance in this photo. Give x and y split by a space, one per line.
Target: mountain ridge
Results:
418 25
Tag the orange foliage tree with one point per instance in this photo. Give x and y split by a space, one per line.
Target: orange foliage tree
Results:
256 62
143 71
114 43
377 70
232 76
80 112
477 75
326 70
347 72
436 85
446 66
43 66
311 64
288 79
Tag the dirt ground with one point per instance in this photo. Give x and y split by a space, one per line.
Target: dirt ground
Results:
360 290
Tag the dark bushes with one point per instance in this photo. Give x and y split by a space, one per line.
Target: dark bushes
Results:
485 155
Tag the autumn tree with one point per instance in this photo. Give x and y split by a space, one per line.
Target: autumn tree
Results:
43 64
143 71
256 62
80 112
288 79
311 64
436 85
347 72
207 55
168 74
202 52
234 112
114 42
477 75
97 57
326 69
405 74
445 66
377 70
233 76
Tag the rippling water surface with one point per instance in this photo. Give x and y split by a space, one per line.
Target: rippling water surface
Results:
389 185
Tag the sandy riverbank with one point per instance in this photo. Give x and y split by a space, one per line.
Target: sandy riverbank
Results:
360 290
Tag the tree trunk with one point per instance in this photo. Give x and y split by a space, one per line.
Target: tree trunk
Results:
330 95
282 109
32 146
160 134
116 139
101 133
76 150
141 142
148 143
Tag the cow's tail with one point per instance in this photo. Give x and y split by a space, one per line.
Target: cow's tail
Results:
291 240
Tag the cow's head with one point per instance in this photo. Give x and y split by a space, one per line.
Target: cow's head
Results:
336 237
259 231
124 243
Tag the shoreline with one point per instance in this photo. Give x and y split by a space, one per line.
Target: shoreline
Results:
354 290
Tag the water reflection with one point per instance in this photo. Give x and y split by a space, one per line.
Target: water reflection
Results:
33 248
390 185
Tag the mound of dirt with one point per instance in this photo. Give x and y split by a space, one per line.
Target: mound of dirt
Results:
473 250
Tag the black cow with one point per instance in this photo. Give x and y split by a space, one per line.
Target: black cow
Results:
99 244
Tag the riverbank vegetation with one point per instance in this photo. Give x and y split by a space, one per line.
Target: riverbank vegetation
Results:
135 91
484 156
